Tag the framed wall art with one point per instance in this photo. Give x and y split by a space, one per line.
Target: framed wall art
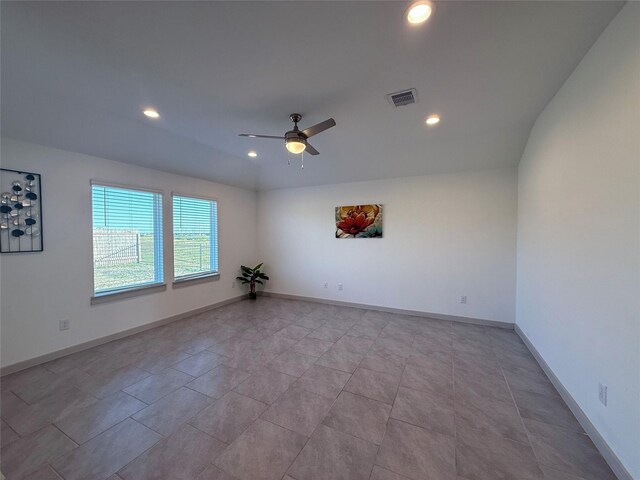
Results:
20 212
359 221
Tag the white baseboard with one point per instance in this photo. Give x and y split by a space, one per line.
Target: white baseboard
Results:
415 313
603 447
16 367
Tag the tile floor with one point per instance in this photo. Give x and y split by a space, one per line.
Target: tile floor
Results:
278 389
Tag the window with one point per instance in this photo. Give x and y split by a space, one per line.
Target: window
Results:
195 237
127 238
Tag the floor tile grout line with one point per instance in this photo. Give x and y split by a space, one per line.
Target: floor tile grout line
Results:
378 447
526 431
305 443
368 398
20 437
455 423
237 436
162 438
176 428
16 433
55 471
48 462
517 408
321 423
513 402
388 418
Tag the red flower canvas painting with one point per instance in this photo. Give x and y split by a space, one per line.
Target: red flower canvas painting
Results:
359 221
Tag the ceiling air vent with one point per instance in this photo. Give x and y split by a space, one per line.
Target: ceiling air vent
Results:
405 97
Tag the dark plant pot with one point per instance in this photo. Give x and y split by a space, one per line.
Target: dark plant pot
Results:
252 295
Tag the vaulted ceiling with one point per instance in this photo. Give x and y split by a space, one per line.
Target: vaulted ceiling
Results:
76 75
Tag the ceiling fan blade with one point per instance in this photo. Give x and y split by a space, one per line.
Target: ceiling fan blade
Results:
319 127
311 150
252 135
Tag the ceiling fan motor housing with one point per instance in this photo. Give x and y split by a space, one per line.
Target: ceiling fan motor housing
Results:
295 136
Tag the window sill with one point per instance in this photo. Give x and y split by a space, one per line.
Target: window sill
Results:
195 279
105 297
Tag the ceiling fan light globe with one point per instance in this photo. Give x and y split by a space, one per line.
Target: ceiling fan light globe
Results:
295 146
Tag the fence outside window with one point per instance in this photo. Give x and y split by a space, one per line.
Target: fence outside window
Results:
195 236
191 253
121 253
115 246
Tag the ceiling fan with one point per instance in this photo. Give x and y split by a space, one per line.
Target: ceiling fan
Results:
296 140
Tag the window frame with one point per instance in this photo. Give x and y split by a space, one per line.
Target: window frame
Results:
202 276
159 249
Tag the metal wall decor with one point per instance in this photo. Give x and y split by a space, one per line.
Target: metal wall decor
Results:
20 212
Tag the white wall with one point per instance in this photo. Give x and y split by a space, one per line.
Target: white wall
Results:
39 289
444 236
578 290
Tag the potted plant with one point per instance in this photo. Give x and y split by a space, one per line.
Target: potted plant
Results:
252 276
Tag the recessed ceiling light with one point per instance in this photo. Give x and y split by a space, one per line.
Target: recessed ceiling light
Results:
151 113
252 154
432 119
419 12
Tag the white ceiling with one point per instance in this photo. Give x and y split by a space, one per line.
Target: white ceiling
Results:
75 75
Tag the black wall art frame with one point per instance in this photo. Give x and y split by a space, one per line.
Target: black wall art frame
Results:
20 212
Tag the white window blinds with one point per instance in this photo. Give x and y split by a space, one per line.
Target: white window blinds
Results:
195 237
127 238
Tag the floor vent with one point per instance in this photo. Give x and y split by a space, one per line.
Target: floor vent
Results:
405 97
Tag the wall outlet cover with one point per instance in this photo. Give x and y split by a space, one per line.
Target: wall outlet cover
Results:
64 325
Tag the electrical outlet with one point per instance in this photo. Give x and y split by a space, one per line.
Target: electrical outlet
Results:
64 325
463 299
233 284
602 394
339 286
326 285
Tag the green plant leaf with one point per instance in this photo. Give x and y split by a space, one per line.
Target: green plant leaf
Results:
252 274
260 282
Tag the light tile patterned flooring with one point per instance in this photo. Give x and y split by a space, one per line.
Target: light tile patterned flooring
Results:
278 389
